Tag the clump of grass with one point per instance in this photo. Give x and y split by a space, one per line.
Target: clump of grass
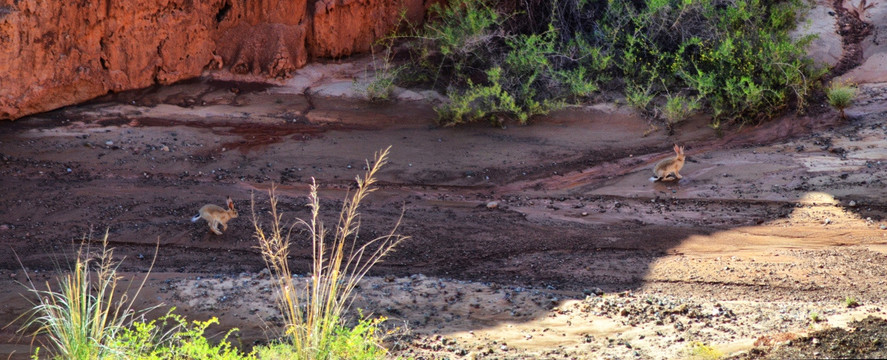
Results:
701 351
83 314
851 302
677 109
814 317
314 327
840 96
380 85
639 97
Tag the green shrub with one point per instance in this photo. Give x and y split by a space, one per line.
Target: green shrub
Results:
734 56
480 102
840 96
381 84
174 338
678 108
639 97
359 342
701 351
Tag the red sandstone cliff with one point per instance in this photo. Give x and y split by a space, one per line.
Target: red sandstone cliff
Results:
57 53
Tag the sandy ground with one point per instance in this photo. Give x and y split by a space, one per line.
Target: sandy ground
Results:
581 256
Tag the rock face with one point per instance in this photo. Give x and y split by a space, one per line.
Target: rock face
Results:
57 53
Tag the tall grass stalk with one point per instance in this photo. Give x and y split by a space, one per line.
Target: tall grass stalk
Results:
84 313
338 264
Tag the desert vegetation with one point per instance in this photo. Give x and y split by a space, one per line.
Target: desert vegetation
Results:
840 96
82 317
667 58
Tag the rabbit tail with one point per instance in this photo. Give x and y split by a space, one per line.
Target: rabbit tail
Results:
654 178
195 218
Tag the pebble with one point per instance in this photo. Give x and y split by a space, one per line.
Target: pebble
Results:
585 213
883 227
492 205
164 148
852 203
827 221
109 143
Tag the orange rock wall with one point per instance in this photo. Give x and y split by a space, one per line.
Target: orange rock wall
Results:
58 53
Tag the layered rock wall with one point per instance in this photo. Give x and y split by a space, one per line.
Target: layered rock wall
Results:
57 53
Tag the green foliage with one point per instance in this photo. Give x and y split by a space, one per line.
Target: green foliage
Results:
462 27
174 338
734 56
701 351
639 97
840 96
851 302
381 84
678 108
479 102
84 314
359 342
815 317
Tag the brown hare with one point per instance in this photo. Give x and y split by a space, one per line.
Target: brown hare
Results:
672 165
215 215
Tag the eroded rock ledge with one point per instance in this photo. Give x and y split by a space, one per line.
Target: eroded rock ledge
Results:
58 53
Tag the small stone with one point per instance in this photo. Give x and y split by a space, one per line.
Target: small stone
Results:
851 203
585 213
109 143
883 227
815 341
164 148
827 221
492 205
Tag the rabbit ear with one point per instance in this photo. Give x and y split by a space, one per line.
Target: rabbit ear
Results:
230 203
677 149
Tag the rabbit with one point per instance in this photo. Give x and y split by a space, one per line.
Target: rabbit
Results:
216 215
669 166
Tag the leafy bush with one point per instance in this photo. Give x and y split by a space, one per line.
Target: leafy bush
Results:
840 96
734 56
678 108
359 342
174 338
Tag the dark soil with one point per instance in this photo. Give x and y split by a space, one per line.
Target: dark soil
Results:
762 214
864 339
